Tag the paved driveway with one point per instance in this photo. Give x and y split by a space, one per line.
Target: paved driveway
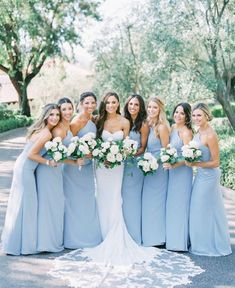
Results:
31 271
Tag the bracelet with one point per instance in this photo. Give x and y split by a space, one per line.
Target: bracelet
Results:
48 162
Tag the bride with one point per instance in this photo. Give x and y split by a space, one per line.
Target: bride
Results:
118 261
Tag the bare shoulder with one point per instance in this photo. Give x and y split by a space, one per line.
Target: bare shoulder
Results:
44 135
187 132
145 127
163 128
59 131
212 136
125 122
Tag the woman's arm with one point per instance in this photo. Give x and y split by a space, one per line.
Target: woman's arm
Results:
144 132
126 127
39 143
213 145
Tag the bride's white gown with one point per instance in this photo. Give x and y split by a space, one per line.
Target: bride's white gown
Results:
118 261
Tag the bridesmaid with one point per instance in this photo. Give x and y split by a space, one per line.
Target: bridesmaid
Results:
155 186
50 193
82 227
20 230
208 227
133 179
180 183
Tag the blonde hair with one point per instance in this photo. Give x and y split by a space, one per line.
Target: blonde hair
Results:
205 109
42 120
162 120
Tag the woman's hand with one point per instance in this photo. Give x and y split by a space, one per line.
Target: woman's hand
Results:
80 161
52 163
89 156
167 166
190 164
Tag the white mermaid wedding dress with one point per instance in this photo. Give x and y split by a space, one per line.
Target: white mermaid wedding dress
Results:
118 261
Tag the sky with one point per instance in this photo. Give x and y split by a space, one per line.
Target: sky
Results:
115 9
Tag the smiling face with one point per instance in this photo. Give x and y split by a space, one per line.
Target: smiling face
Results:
179 115
153 110
53 118
134 107
199 118
111 105
66 110
89 104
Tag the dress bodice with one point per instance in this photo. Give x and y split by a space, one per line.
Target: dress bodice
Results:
175 141
154 144
118 135
67 138
23 158
135 135
206 154
89 127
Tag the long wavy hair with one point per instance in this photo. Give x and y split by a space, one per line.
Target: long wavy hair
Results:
188 113
161 117
103 113
142 115
205 109
42 120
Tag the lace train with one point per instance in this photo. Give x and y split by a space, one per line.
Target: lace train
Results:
165 270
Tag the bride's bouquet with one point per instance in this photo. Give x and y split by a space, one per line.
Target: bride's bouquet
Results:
168 155
129 147
81 147
56 149
109 153
191 152
147 163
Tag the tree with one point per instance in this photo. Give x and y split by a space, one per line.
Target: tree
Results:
34 30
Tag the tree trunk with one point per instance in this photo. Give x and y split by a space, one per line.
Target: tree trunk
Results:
227 107
24 105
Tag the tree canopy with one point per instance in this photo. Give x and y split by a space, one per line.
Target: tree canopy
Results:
34 30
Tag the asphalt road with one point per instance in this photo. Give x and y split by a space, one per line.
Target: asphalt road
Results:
31 271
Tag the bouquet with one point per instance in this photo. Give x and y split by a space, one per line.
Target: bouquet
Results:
56 150
147 163
80 147
191 152
129 147
168 155
108 153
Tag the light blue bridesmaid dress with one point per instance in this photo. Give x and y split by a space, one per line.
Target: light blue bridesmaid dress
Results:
178 200
208 226
154 199
82 228
132 186
20 230
50 207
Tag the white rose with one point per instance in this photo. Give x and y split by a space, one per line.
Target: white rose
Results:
185 147
119 157
146 167
106 145
48 145
188 153
147 156
111 158
95 152
57 156
71 148
74 139
171 151
153 165
114 149
193 144
198 153
165 158
54 146
57 139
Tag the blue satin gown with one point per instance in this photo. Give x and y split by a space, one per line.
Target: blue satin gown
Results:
50 207
132 186
20 230
178 200
154 199
82 228
208 226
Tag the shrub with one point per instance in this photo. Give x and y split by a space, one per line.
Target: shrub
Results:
15 122
217 110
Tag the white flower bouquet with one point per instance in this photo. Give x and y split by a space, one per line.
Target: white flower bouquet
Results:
56 150
147 163
168 155
109 153
191 152
129 148
81 147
